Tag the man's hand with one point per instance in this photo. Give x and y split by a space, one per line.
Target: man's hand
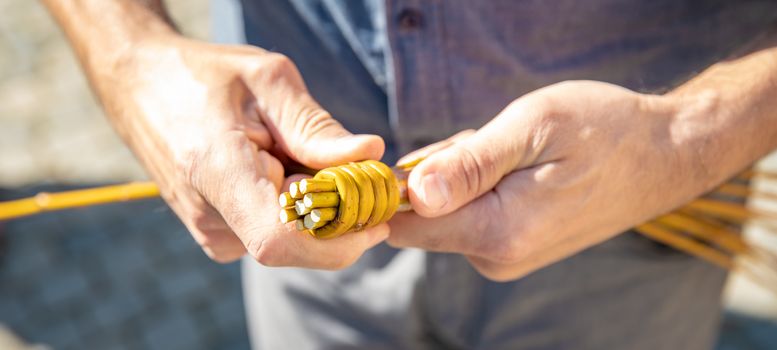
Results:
559 170
207 121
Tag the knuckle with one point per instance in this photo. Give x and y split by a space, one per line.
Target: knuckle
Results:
468 171
277 61
248 51
188 164
222 257
505 244
201 220
261 250
273 67
474 170
210 239
493 271
208 166
192 162
225 259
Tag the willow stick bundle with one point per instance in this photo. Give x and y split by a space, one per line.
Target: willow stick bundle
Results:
711 227
355 196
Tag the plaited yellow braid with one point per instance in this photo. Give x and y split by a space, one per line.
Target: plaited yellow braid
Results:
345 198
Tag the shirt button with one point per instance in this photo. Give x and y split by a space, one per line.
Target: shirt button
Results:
410 19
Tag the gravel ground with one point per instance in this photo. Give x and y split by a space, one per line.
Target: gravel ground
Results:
52 128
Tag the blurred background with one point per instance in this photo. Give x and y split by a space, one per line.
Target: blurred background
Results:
128 275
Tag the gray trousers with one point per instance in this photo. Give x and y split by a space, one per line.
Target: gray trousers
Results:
627 293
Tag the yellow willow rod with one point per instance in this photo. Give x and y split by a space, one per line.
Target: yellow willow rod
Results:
43 201
685 244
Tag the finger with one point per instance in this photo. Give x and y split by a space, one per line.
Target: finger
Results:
297 122
453 177
538 256
223 251
302 250
248 202
208 228
258 133
424 152
292 178
473 230
271 168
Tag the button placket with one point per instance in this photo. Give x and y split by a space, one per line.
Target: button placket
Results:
420 93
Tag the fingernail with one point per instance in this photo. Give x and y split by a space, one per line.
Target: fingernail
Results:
434 191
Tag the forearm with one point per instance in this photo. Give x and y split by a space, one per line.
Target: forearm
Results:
728 114
102 31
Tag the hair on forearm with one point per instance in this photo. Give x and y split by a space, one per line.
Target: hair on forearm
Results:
159 8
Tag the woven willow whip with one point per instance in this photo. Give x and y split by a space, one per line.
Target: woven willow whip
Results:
358 195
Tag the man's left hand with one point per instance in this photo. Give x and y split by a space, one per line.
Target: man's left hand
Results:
557 171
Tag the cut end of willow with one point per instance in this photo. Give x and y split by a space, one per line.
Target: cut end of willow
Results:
312 225
299 224
294 190
315 185
288 215
321 200
323 214
285 200
300 208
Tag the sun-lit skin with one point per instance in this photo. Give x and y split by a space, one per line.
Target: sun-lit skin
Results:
575 163
202 119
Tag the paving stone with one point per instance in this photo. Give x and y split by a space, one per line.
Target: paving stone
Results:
179 284
11 313
118 285
172 332
117 308
65 334
63 286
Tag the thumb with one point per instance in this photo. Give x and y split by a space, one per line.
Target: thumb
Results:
298 124
316 140
455 176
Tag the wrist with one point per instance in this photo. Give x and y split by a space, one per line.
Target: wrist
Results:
715 137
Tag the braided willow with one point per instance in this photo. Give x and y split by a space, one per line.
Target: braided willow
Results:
345 198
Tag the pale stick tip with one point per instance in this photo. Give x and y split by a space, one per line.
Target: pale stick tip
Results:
303 186
300 207
288 215
310 224
294 190
285 200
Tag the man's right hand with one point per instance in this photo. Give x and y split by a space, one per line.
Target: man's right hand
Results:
202 118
